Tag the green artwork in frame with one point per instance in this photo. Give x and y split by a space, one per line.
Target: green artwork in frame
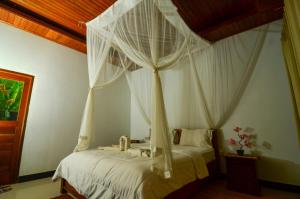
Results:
10 98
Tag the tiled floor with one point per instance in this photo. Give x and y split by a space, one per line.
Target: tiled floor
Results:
38 189
46 189
217 190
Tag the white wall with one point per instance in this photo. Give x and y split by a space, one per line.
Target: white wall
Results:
139 129
112 113
58 97
265 106
57 100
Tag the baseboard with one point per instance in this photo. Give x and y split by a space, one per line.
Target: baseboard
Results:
281 186
36 176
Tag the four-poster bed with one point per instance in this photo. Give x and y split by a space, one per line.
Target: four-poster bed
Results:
149 35
186 191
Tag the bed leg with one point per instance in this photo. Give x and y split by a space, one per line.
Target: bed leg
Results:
62 186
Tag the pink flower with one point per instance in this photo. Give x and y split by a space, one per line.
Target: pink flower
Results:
244 139
237 129
232 141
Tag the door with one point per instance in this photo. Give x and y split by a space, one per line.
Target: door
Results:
15 91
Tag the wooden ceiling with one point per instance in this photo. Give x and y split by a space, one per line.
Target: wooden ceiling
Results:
217 19
63 21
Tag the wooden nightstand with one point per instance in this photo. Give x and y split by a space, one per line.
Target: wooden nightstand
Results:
241 174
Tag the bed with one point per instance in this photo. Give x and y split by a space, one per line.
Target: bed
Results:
114 174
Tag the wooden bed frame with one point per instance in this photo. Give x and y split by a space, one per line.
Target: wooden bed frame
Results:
187 191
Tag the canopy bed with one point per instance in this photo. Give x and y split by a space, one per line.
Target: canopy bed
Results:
147 42
122 175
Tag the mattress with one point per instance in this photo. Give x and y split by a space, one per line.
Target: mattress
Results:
110 173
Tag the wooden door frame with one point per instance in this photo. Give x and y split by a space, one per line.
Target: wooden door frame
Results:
22 115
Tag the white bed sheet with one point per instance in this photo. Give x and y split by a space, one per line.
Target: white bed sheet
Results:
120 175
207 153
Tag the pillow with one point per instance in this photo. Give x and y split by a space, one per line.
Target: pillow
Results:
195 137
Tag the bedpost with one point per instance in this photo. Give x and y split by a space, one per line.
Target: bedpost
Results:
215 145
62 186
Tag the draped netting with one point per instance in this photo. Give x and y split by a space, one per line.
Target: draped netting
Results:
204 86
148 42
291 52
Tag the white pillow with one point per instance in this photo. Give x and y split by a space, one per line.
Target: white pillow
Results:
194 137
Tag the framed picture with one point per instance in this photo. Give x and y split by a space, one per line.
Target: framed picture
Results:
10 98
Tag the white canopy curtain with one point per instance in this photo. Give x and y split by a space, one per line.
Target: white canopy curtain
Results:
129 35
149 36
204 86
291 52
222 72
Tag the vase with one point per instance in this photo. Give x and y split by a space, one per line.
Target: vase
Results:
240 152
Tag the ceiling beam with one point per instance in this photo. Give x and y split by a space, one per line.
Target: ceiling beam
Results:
32 16
20 17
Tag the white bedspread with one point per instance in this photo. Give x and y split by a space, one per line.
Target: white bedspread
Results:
114 174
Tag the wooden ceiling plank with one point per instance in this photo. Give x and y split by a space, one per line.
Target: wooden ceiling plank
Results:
205 13
61 12
27 14
20 22
68 13
262 9
231 30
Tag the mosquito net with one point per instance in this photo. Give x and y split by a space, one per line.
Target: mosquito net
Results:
149 43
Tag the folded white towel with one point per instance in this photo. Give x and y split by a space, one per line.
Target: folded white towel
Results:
139 152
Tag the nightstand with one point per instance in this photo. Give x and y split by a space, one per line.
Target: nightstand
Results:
241 174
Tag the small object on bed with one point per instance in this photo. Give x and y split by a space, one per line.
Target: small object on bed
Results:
145 153
140 149
124 143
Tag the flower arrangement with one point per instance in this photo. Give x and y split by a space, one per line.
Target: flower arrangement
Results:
244 140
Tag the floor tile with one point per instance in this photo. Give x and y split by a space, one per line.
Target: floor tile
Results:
38 189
